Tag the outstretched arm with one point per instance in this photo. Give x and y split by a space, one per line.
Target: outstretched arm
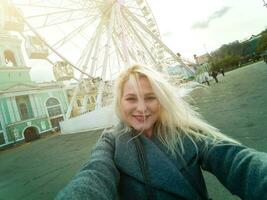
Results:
98 178
240 169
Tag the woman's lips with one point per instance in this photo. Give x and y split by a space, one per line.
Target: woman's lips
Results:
141 118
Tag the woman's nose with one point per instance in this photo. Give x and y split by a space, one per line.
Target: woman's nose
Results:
141 106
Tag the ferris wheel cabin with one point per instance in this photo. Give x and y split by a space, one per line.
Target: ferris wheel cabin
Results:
63 71
36 48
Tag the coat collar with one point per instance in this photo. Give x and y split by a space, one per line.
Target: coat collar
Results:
162 171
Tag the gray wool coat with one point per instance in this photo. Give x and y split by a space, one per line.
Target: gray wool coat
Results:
113 171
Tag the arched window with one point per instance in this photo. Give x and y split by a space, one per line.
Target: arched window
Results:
10 59
52 102
53 107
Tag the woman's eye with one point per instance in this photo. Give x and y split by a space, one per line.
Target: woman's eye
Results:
130 99
151 98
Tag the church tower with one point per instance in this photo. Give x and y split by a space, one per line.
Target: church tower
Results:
13 70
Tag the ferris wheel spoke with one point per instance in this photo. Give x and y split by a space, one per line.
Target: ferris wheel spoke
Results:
54 50
74 2
145 36
95 57
139 14
70 35
93 45
118 53
62 2
137 49
118 50
73 33
80 79
167 49
49 19
100 1
42 6
139 38
136 8
132 53
87 54
70 11
131 44
146 14
142 27
107 46
110 27
60 22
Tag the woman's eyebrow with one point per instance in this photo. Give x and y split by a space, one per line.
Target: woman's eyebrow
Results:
134 95
150 94
130 94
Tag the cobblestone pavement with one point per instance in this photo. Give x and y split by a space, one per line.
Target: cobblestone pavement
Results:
237 105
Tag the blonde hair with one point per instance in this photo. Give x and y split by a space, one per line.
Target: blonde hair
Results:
177 118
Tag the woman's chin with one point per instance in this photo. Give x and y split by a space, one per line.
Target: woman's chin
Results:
139 129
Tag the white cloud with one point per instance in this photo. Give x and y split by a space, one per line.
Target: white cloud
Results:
217 14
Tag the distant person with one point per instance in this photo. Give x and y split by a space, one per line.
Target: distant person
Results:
159 148
214 75
222 71
206 77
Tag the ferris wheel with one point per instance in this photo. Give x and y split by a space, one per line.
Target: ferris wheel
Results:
90 38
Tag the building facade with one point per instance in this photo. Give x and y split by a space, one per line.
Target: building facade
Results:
27 109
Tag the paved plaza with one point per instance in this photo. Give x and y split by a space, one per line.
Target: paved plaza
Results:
237 105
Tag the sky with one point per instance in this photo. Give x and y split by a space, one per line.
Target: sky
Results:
197 27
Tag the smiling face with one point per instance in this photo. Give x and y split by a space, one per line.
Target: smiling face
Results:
140 107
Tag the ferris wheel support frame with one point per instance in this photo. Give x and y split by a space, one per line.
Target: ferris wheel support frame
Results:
93 65
122 35
118 50
95 41
107 48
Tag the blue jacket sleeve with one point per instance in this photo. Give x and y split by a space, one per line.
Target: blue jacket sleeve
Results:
243 171
98 178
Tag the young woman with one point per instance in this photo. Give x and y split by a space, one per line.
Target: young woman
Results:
159 148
